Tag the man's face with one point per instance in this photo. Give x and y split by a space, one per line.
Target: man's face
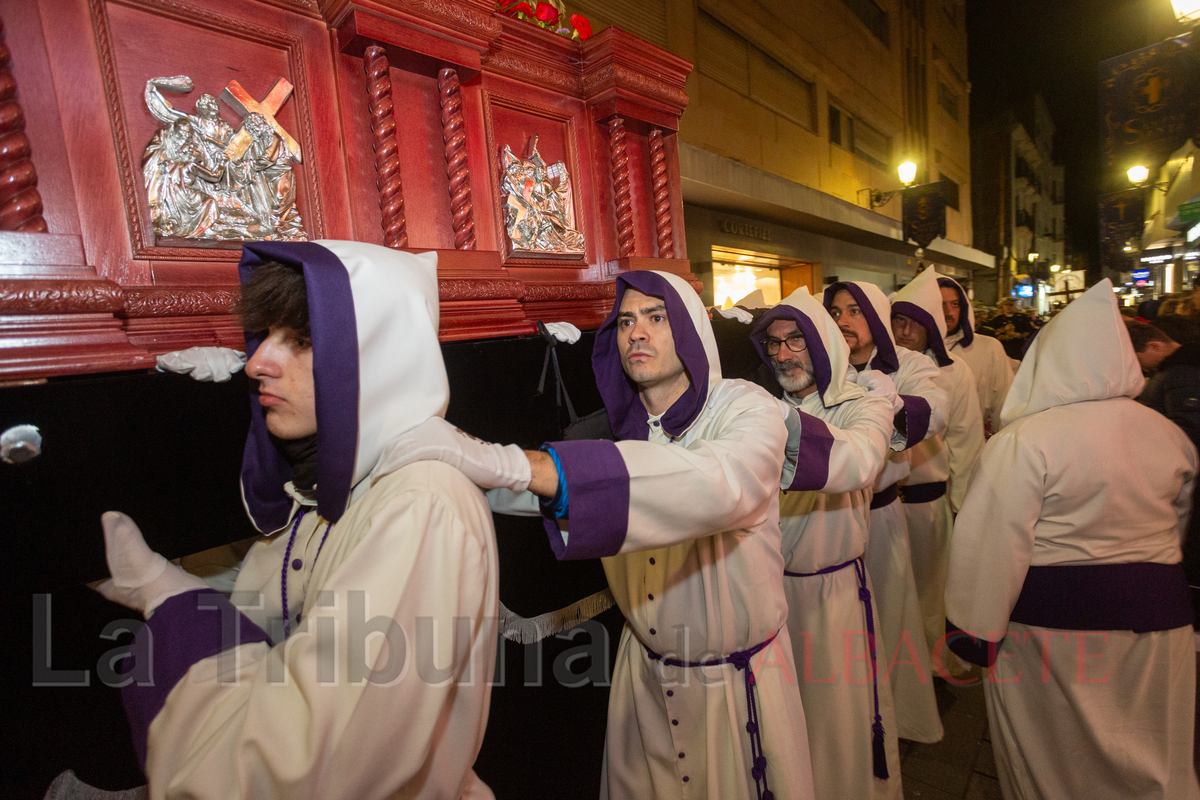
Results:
793 370
1153 355
853 324
951 308
282 368
1007 307
909 333
645 342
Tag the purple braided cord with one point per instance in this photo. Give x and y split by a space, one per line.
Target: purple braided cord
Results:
878 754
287 558
318 555
741 662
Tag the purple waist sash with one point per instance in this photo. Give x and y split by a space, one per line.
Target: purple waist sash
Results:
922 492
741 662
1105 597
885 497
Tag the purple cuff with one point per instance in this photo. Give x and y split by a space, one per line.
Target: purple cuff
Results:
812 462
184 630
598 482
980 652
916 415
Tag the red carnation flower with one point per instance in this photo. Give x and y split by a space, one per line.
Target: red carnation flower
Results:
546 13
521 8
581 26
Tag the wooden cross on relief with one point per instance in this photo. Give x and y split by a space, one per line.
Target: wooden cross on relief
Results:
244 104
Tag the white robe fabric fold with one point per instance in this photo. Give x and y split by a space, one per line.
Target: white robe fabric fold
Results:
826 614
909 671
1081 476
951 458
695 595
342 708
993 373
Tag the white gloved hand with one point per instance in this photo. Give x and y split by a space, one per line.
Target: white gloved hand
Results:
740 314
878 384
489 466
215 364
563 331
141 578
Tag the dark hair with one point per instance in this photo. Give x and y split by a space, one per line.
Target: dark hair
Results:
275 295
1181 329
1143 334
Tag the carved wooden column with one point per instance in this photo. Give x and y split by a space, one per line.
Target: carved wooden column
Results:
620 182
662 195
387 163
456 159
20 203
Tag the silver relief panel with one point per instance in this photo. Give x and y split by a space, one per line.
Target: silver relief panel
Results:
539 206
206 180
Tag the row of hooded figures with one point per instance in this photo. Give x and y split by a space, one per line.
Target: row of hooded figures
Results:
198 186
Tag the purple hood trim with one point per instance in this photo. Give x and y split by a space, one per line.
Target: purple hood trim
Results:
885 359
336 384
936 343
964 305
818 354
629 417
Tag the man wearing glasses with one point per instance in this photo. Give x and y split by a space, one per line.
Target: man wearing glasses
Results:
824 516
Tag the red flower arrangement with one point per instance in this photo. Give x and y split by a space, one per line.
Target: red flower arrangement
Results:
547 15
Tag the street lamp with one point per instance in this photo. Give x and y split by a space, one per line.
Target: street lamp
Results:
1055 267
876 198
1186 11
1138 174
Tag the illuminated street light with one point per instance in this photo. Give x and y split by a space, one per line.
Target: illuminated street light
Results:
1187 11
1033 257
1055 267
1138 174
908 172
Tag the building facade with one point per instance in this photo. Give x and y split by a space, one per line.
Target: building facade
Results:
1018 203
798 112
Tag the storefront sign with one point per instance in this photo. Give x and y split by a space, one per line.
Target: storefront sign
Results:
1189 212
744 229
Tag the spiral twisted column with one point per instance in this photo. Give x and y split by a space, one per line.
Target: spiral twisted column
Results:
662 195
456 160
620 181
387 163
20 202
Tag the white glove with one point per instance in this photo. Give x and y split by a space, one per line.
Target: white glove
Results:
215 364
563 331
740 314
489 466
141 578
878 384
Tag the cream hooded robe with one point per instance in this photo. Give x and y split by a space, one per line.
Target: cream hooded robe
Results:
984 355
684 510
904 652
1065 567
381 689
947 460
851 724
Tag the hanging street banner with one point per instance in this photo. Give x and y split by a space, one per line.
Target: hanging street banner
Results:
1121 224
1148 103
924 213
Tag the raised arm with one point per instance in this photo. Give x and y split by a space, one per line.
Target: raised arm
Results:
634 495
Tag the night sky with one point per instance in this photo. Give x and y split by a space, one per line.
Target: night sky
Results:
1019 47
